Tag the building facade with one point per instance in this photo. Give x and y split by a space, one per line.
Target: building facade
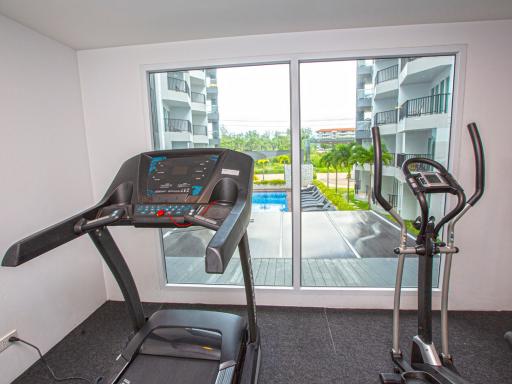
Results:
410 100
184 107
334 135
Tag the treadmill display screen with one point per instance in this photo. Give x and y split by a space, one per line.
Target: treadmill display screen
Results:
173 179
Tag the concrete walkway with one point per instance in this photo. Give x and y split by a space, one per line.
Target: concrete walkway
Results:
339 248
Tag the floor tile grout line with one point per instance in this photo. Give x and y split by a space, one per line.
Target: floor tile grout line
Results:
330 332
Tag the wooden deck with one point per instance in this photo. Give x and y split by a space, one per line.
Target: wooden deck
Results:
368 272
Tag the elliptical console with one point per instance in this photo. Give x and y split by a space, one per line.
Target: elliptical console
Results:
205 187
426 365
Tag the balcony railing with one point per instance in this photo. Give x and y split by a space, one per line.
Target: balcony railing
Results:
386 117
386 74
200 130
198 97
401 157
393 200
177 125
178 85
428 105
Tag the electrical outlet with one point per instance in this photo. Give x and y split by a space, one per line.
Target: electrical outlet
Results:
4 341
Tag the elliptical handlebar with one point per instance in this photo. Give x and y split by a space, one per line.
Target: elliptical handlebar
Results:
377 176
479 164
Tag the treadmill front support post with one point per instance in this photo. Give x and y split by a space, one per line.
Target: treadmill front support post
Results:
108 249
245 260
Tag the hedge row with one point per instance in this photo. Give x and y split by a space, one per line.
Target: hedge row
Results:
270 182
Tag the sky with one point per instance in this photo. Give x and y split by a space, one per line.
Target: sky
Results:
258 97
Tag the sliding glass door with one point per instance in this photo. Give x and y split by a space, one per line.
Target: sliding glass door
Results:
342 238
243 108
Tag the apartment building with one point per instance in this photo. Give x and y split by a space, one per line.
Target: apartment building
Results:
410 100
185 109
334 135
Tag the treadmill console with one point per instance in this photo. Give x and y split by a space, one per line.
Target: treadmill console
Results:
171 186
181 188
167 179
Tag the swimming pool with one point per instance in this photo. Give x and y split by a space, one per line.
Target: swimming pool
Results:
269 202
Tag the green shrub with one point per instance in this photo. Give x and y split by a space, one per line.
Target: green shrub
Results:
338 198
270 182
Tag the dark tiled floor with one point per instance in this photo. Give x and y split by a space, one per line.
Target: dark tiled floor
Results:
301 345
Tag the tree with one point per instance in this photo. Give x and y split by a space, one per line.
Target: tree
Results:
327 160
344 158
255 141
262 163
363 156
282 159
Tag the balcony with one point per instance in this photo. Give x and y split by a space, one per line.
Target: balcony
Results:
364 67
197 76
200 130
387 74
405 60
424 69
428 105
402 157
177 125
386 83
178 85
198 98
427 112
198 102
364 97
386 120
200 134
213 114
386 117
363 129
363 125
211 86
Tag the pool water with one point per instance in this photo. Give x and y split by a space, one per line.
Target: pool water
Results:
269 202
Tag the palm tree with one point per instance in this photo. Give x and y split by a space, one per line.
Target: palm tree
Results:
327 160
362 156
343 155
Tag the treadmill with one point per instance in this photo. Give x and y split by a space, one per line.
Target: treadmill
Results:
211 188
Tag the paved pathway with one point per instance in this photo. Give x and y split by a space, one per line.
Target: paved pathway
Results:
339 248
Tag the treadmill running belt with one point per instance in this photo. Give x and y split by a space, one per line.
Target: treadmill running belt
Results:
146 369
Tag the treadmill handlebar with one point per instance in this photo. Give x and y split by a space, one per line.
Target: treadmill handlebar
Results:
47 239
226 239
84 225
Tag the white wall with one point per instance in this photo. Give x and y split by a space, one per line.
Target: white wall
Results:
45 178
115 112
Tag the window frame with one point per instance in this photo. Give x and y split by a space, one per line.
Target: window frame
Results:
296 295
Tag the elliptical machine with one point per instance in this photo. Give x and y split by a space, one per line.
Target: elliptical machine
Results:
426 365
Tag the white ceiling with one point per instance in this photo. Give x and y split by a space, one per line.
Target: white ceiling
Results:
84 24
